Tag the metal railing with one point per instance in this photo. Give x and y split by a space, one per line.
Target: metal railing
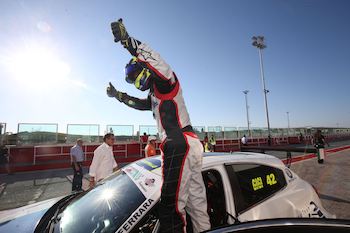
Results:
47 133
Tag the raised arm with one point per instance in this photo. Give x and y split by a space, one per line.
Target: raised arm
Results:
133 102
143 52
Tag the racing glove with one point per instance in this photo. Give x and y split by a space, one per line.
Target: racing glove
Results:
119 32
112 92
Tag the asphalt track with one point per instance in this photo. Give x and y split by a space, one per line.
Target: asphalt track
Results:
331 179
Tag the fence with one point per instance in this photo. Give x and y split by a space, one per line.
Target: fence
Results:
47 133
88 133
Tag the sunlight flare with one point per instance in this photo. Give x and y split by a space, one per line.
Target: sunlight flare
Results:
38 67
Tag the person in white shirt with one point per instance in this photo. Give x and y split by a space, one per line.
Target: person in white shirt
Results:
244 140
103 164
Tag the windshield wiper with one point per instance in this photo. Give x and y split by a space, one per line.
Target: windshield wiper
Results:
56 216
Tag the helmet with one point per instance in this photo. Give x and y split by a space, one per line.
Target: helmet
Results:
138 75
151 138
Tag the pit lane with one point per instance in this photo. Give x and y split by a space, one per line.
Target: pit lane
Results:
331 179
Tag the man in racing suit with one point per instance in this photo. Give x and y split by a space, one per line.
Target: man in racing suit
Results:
183 184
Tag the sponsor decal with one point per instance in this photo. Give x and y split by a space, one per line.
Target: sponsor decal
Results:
135 174
311 211
142 187
289 173
257 183
136 216
149 182
150 164
147 55
270 179
154 104
145 180
315 212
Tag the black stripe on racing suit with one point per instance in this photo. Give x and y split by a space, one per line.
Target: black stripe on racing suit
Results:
174 151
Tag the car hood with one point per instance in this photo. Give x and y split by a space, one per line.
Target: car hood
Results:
24 219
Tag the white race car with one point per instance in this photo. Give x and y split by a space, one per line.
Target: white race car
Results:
240 187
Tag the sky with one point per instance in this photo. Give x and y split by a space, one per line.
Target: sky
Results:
57 57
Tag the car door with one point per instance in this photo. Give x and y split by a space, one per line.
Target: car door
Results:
219 200
257 191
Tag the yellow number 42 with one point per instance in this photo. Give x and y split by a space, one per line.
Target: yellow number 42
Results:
270 179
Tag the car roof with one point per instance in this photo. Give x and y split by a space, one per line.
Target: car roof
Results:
216 158
212 159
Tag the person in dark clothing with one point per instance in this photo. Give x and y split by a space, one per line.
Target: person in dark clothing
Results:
319 142
301 138
77 158
183 184
319 139
4 158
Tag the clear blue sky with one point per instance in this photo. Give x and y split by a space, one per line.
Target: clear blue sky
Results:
57 57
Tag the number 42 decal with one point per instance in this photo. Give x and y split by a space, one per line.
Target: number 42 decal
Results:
270 179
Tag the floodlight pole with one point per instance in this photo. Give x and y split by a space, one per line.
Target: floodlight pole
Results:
258 41
247 107
288 123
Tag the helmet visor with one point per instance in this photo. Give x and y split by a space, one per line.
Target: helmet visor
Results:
142 81
131 72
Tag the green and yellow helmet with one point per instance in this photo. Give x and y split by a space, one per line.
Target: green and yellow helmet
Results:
138 75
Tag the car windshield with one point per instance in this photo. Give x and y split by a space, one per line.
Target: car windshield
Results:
104 208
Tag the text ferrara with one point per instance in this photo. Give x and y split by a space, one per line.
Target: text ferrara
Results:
133 219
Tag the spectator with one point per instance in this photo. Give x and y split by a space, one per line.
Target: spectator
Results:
144 138
4 158
212 143
103 164
319 142
150 149
244 140
301 138
206 143
269 140
277 140
206 147
77 158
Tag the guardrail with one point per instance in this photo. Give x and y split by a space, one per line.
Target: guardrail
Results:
28 158
287 149
263 149
45 133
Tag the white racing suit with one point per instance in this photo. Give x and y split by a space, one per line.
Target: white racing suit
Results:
183 187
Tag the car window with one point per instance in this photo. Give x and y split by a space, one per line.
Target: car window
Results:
104 208
253 183
215 198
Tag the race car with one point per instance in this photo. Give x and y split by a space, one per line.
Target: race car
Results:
240 187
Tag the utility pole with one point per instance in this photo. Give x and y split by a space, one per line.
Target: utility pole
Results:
247 107
258 42
288 122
